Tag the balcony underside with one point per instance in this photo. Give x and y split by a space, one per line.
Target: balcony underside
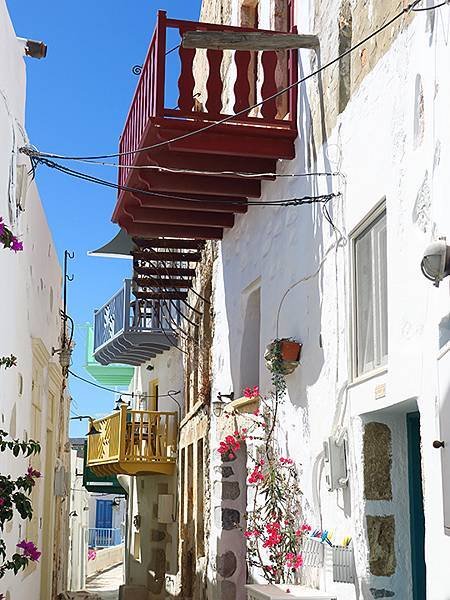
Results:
135 348
133 468
198 206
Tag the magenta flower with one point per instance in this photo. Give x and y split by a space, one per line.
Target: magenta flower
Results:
16 245
33 473
2 503
29 550
92 554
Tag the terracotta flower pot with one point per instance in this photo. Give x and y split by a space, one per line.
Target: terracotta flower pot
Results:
290 351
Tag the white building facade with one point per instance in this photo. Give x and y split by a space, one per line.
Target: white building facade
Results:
374 331
33 403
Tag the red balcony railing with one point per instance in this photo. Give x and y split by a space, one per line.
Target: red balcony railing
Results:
227 84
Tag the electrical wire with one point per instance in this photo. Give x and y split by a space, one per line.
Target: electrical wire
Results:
131 394
426 8
116 186
409 8
237 174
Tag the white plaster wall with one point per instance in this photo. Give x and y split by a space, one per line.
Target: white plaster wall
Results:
373 147
168 370
143 491
29 302
78 526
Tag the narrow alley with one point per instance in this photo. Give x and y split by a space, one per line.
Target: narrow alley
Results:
106 584
225 305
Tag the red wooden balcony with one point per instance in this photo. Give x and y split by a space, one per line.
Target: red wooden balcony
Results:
212 84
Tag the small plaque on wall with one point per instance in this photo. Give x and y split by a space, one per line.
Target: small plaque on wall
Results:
380 391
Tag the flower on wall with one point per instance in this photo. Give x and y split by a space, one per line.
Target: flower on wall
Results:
8 239
275 529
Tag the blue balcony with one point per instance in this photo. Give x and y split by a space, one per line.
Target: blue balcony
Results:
130 330
104 538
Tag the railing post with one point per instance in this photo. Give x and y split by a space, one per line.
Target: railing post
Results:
160 62
123 433
126 305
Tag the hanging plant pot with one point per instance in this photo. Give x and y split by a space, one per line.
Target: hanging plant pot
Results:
290 350
283 356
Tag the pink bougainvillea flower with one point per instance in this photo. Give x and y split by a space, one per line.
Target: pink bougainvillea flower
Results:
16 245
305 528
294 561
2 503
29 550
256 475
274 535
256 412
92 554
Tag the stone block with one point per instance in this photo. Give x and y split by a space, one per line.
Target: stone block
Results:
230 518
381 538
226 472
230 490
377 450
226 564
227 590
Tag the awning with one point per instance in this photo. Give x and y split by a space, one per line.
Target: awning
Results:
121 246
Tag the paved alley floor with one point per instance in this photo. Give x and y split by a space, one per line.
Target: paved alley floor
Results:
106 584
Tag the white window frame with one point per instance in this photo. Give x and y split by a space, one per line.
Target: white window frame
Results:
368 221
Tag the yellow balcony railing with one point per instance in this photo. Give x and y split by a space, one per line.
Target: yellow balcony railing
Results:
133 442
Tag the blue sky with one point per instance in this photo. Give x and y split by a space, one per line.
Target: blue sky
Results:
77 101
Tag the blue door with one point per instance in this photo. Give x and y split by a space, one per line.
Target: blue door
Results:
417 518
103 514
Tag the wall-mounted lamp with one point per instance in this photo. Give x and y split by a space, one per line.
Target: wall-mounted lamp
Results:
121 402
73 514
219 405
92 429
33 48
435 263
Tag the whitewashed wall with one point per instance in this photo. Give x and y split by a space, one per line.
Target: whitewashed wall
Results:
29 308
373 145
78 526
143 491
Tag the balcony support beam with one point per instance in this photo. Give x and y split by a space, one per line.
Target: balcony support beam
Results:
249 40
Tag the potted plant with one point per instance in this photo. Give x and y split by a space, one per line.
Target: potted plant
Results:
290 349
282 356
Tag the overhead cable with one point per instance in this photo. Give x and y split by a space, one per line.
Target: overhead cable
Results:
131 394
126 188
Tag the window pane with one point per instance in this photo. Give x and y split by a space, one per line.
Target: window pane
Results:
371 297
364 304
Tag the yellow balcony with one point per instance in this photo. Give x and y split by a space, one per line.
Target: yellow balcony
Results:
134 442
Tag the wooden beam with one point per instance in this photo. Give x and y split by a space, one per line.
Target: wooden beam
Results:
155 216
255 40
160 295
146 229
163 270
159 282
169 243
168 256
